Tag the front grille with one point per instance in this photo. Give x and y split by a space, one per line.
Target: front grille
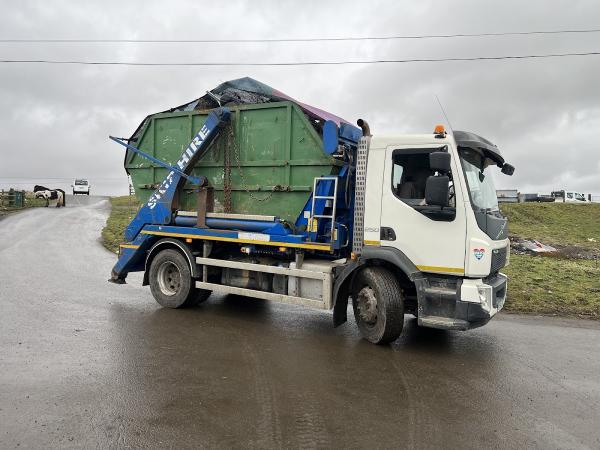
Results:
498 259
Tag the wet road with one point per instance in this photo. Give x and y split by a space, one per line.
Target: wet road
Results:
85 363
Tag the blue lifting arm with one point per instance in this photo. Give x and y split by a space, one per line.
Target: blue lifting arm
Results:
158 210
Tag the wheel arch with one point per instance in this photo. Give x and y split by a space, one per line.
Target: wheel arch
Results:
176 244
388 257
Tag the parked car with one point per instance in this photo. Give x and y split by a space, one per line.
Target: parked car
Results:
81 186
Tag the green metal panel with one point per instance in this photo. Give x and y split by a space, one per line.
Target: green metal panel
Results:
20 199
276 147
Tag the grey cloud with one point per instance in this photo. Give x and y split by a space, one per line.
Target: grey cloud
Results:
542 113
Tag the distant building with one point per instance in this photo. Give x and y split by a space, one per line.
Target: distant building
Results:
507 195
514 196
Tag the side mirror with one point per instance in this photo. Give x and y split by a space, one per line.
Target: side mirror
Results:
439 161
437 190
507 169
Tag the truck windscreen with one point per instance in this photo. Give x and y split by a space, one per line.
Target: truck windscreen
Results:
479 180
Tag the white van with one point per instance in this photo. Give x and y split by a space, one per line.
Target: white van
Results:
81 186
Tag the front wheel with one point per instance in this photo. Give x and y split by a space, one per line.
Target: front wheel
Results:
171 281
378 305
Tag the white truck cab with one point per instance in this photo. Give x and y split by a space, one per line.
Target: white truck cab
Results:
452 254
81 186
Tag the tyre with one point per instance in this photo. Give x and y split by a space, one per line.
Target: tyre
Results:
378 305
171 281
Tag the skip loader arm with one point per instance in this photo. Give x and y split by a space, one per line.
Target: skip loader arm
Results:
159 208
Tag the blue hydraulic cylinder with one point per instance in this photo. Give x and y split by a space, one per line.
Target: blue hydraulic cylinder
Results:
256 226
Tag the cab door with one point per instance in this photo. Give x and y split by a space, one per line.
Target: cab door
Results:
434 243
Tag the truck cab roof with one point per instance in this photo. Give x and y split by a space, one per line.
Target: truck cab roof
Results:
461 138
408 139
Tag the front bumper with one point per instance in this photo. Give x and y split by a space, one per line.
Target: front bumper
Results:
460 304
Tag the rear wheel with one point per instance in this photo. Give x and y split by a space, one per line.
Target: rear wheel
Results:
171 281
378 305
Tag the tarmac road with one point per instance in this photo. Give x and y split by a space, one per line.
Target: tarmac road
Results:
85 363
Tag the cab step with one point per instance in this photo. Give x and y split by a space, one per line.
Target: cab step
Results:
443 323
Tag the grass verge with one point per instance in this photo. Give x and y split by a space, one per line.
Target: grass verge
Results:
547 284
553 286
555 223
123 209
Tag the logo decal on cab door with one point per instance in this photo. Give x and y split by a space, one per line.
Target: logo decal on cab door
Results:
479 253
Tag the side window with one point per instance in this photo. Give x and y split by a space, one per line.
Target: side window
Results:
409 176
410 171
570 195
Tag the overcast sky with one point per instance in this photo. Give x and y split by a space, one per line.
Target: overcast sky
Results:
543 114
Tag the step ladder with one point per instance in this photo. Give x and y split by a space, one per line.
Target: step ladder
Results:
333 198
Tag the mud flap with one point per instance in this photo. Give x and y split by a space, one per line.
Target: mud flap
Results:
341 293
